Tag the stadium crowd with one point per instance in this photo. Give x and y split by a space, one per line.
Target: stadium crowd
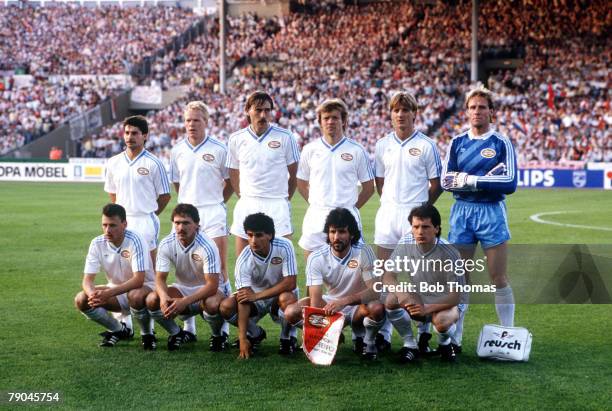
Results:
66 40
365 53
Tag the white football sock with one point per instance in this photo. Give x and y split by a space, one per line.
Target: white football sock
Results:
103 317
402 323
144 320
457 338
504 305
445 337
215 322
286 328
371 329
387 330
167 324
189 324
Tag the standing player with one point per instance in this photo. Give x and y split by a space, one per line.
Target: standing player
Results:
442 308
265 274
329 172
344 266
137 180
197 169
407 175
480 169
197 289
122 255
262 162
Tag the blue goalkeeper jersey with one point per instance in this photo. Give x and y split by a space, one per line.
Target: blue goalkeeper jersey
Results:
477 155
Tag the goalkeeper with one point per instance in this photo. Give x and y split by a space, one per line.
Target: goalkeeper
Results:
480 169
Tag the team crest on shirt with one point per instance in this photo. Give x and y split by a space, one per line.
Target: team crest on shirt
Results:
487 153
208 157
274 144
276 260
353 264
415 152
125 254
318 320
143 171
346 156
196 257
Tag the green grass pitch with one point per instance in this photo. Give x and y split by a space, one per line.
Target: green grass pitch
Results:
46 345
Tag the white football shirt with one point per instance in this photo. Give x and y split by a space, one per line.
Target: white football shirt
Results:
191 262
119 263
263 161
261 273
407 166
200 171
334 172
137 183
341 277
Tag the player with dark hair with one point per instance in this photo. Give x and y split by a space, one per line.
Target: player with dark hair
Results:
137 180
480 170
443 307
262 163
123 257
344 266
197 289
265 276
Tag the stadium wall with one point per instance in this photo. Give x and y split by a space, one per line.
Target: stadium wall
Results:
597 175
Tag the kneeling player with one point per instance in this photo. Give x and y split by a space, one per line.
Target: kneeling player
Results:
442 308
265 274
197 289
124 257
345 267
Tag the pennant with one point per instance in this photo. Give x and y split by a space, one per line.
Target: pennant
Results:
321 335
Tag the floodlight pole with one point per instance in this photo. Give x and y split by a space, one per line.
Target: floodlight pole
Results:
474 65
222 38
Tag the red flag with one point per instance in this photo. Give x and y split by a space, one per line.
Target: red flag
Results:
551 97
321 335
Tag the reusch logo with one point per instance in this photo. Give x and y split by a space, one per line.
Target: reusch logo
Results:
516 345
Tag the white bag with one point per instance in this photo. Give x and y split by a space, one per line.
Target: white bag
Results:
504 343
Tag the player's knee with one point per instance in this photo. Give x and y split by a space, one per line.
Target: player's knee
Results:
293 313
136 298
376 311
442 322
227 308
152 301
285 299
212 305
391 302
80 301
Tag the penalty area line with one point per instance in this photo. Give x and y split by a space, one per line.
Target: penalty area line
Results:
537 218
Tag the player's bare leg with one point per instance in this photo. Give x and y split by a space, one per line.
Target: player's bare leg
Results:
240 244
400 319
100 314
497 263
444 324
229 311
154 306
293 312
367 320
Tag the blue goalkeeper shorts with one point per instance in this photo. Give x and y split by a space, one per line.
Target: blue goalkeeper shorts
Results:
472 222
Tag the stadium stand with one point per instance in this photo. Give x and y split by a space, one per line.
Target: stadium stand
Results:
554 108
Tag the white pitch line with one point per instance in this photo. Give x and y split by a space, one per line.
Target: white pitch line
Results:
537 219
